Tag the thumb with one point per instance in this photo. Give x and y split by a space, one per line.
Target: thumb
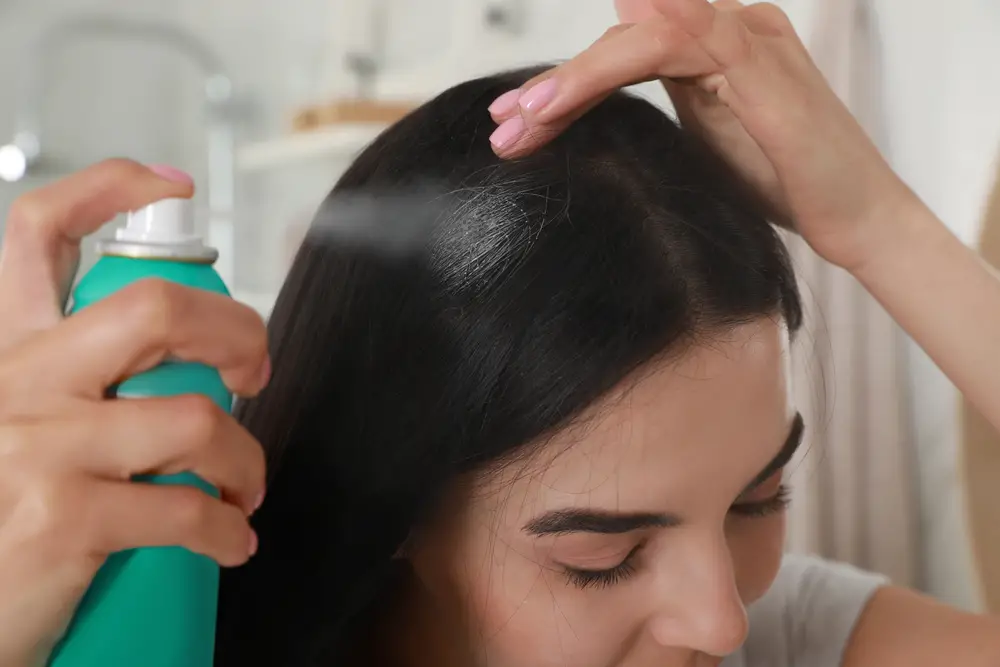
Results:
41 246
634 11
686 94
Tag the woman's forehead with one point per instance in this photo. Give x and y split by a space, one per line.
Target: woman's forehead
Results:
713 416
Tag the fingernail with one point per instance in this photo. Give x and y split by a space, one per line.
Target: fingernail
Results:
258 501
265 372
253 542
506 103
538 96
171 174
508 131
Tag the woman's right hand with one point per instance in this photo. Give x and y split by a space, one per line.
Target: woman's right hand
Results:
66 453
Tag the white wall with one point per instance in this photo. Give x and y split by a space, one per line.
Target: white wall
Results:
125 100
944 98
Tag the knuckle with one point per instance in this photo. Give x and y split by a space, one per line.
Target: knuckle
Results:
121 169
51 509
193 512
772 15
152 305
15 441
739 38
251 321
28 212
744 47
662 38
202 420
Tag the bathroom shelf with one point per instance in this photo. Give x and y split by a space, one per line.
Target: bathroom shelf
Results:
339 141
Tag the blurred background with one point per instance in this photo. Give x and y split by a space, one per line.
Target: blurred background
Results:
265 103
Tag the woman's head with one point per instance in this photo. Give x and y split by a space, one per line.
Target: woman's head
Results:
558 418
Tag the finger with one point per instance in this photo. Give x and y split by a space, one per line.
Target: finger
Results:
641 10
762 18
121 439
682 89
137 328
128 515
720 33
724 37
693 97
765 77
508 105
44 227
630 56
643 52
634 11
514 138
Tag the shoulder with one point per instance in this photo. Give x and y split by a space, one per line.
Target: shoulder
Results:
903 628
809 614
820 613
826 588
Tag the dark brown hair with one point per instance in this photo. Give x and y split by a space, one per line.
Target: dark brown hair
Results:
546 281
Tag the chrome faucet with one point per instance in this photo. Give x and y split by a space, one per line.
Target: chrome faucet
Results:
25 150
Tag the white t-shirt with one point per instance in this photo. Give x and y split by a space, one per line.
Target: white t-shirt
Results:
807 617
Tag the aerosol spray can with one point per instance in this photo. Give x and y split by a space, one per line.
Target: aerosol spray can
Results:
152 607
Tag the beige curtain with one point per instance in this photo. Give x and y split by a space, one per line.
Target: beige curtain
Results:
853 487
980 451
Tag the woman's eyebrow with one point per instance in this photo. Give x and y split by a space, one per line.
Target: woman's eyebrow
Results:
561 522
783 456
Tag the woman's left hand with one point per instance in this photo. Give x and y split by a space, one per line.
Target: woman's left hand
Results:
741 78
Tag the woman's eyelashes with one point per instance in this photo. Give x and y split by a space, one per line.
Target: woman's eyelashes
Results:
757 509
604 578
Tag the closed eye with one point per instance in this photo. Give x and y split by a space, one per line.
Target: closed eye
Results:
757 509
582 578
606 577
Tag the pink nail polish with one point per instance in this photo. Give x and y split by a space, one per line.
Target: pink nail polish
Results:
171 174
506 103
539 95
508 131
253 542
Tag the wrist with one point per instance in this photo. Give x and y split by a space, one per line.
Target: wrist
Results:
902 229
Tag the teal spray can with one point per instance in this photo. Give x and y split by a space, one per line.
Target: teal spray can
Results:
151 607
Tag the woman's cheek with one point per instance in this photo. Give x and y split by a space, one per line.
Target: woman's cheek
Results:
523 612
756 546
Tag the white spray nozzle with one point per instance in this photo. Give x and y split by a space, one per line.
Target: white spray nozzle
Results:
166 222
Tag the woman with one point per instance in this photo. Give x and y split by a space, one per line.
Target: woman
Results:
423 410
554 437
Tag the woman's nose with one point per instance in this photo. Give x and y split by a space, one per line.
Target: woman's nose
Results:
703 610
